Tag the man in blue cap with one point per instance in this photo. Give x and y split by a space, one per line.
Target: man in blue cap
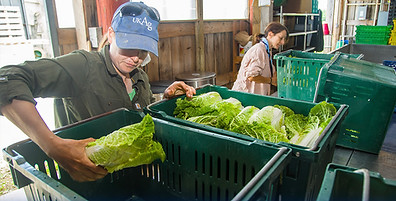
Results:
86 84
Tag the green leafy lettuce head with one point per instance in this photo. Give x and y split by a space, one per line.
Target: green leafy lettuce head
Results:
269 115
197 105
241 120
130 146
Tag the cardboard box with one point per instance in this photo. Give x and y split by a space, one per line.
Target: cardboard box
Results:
298 6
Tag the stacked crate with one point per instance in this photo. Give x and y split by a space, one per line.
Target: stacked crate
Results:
376 35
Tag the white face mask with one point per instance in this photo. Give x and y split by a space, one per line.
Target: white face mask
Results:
146 60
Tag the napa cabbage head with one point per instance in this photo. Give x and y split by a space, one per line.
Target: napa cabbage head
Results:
241 120
295 125
265 132
269 115
129 146
305 134
197 105
222 114
323 111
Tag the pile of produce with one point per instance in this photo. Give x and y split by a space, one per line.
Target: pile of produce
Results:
129 146
271 123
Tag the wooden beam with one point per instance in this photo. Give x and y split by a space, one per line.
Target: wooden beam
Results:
169 30
359 22
176 29
255 18
67 36
218 27
200 38
81 25
338 5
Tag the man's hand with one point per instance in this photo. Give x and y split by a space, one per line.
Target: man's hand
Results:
179 88
70 155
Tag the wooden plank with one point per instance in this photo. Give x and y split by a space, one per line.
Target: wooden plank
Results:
228 52
188 53
224 79
255 18
167 30
220 49
67 36
199 38
81 25
174 29
359 22
337 22
165 61
152 68
217 27
67 48
177 66
210 57
91 13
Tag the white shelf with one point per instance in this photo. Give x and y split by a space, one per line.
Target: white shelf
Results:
296 14
309 49
302 33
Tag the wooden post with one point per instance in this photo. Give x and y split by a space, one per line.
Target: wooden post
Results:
81 25
255 19
200 38
336 23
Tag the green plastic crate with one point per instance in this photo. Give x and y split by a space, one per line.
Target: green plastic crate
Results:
199 166
368 28
370 91
372 40
298 73
344 183
368 34
302 177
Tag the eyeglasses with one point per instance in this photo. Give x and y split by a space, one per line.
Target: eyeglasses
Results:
137 9
142 54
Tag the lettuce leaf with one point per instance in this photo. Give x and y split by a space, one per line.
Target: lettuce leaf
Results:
222 114
129 146
196 106
265 132
241 120
269 115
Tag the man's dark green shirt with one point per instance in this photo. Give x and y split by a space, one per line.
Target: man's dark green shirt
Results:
84 84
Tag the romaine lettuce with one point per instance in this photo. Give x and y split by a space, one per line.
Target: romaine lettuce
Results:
128 146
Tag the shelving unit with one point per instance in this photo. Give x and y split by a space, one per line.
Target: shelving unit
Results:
348 22
305 33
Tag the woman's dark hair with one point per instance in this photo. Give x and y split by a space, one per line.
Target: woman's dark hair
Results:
274 27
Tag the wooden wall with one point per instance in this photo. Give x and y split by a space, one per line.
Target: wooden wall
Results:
177 50
178 41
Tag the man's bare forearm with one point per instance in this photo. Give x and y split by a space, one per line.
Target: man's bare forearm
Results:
26 117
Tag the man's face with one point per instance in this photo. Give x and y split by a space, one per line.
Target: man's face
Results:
125 60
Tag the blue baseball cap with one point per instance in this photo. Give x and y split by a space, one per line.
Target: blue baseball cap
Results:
136 27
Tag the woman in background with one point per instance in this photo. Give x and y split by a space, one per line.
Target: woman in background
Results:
257 72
